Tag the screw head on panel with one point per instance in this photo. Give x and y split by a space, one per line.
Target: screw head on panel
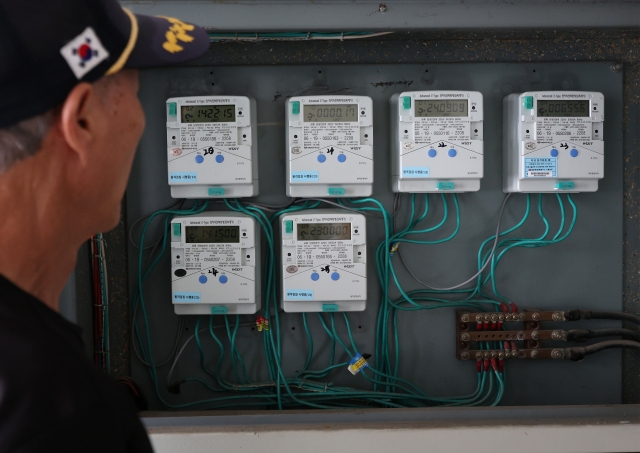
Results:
478 318
534 354
556 335
382 8
617 67
557 316
494 318
535 335
478 356
464 356
521 335
465 318
535 316
465 337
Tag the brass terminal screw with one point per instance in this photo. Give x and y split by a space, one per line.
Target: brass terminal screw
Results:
534 354
478 318
465 337
535 335
556 335
557 316
465 317
494 318
535 316
557 354
478 355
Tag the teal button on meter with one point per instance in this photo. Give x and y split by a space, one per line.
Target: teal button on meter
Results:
295 108
406 102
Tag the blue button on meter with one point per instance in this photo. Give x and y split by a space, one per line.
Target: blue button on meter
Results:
573 153
219 158
335 276
223 279
199 159
202 279
321 158
432 153
452 152
341 157
554 152
315 276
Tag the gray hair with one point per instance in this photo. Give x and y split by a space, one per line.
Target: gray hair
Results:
22 140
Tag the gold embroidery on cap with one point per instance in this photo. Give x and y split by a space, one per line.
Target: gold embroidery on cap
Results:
177 32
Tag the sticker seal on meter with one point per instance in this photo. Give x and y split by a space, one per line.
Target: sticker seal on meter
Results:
186 298
299 294
415 172
305 176
540 167
183 177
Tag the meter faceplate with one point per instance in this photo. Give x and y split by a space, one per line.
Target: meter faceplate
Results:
215 259
212 149
323 273
329 146
553 141
436 141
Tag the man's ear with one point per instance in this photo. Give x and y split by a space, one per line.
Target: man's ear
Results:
80 120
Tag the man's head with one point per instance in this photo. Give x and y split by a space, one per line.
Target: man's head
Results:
71 119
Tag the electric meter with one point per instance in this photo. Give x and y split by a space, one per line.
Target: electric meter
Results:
212 148
330 146
215 264
553 141
324 261
436 141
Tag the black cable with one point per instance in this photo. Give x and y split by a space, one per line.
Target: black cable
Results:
578 353
580 335
574 315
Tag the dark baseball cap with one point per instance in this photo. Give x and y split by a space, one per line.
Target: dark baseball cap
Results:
48 46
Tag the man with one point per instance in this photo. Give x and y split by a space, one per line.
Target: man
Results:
70 122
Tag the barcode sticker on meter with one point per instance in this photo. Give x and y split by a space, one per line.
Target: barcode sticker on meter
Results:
540 167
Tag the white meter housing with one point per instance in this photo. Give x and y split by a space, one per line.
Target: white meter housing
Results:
215 264
436 141
329 146
212 147
324 261
553 141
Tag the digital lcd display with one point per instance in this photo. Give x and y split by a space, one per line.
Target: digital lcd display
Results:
324 113
563 108
324 231
208 113
212 234
441 107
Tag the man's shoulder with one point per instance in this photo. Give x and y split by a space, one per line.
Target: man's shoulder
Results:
46 379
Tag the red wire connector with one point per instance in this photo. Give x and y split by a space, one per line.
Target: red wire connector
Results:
479 366
494 364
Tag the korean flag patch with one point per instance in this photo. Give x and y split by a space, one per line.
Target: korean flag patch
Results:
84 52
